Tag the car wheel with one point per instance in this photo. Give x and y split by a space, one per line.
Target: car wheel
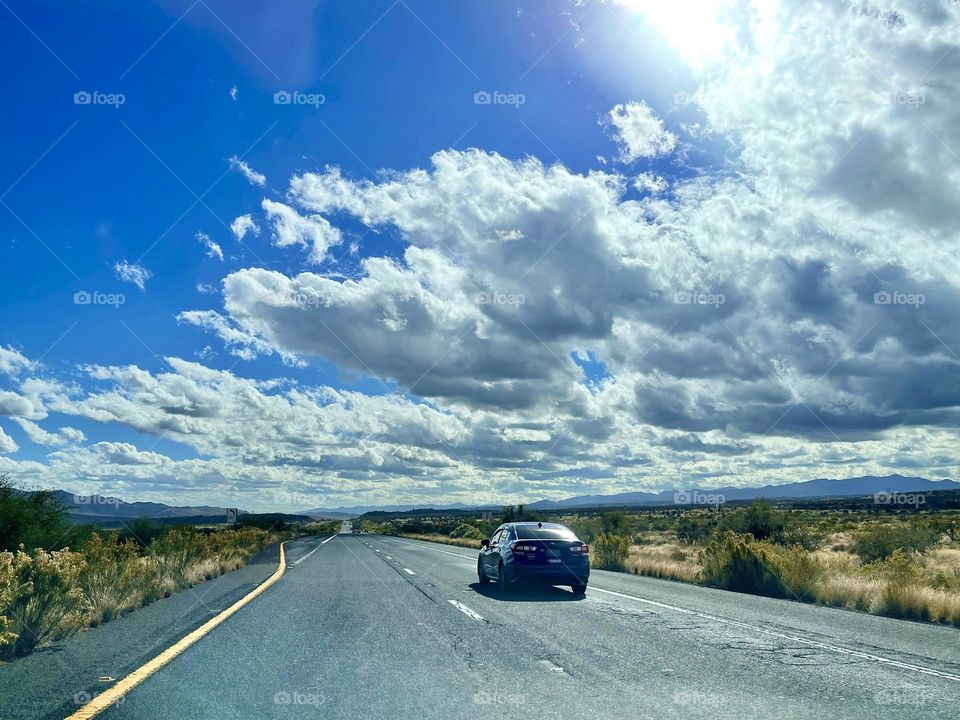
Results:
482 573
503 584
578 589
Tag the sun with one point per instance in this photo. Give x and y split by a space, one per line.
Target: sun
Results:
695 29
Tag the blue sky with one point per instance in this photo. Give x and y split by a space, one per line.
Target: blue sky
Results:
711 195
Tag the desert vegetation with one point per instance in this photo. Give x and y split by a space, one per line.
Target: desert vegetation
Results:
58 578
899 562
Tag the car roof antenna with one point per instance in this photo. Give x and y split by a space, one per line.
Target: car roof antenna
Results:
539 524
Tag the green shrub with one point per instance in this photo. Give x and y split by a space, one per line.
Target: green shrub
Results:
44 601
880 543
34 520
115 578
758 519
693 530
467 531
739 563
610 552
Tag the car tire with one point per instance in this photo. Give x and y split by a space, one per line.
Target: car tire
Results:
578 589
481 573
503 583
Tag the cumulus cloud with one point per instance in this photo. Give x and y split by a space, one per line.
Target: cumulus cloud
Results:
639 132
213 249
313 232
7 444
244 224
12 362
133 273
252 176
64 436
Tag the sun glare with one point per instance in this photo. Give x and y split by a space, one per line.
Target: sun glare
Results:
693 28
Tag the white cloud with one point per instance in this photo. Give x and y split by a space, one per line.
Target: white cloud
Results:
313 232
7 444
244 224
133 273
639 131
64 436
213 249
234 93
12 362
252 176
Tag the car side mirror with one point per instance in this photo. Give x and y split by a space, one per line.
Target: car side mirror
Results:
484 543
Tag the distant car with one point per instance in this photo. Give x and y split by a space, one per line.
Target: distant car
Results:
539 552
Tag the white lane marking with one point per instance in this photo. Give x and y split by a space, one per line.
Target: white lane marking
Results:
423 545
408 571
388 557
376 551
551 667
465 610
784 636
297 562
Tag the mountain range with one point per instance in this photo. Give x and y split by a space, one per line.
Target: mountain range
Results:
98 508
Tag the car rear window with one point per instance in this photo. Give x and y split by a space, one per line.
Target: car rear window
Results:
525 532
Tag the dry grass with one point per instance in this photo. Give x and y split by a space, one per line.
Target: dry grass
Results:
47 596
443 539
669 560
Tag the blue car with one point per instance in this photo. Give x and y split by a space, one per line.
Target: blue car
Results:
546 553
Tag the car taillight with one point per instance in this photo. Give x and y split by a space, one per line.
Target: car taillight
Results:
582 549
520 547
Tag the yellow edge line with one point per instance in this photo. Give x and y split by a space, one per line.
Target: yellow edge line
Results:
108 697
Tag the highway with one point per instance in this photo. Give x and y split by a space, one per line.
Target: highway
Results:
368 626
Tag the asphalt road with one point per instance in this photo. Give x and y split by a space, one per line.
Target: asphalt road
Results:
367 626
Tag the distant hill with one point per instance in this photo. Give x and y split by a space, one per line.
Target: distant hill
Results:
820 488
98 506
867 485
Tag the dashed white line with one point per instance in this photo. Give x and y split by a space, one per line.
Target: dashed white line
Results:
297 562
408 571
388 557
465 610
784 636
551 667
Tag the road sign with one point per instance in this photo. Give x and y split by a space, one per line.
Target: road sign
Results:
231 515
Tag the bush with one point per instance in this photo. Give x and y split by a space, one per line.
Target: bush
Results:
44 602
467 531
881 542
694 530
115 578
610 552
739 563
34 520
758 519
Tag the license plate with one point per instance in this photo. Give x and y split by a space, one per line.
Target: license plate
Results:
553 560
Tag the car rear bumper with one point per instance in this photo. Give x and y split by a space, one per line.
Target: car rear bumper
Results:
555 575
